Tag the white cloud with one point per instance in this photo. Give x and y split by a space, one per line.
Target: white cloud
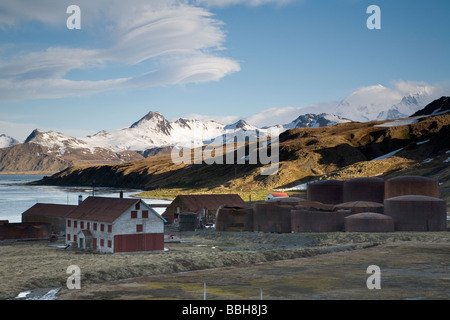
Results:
182 43
252 3
220 119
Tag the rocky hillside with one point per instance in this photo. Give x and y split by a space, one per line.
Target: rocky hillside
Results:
417 145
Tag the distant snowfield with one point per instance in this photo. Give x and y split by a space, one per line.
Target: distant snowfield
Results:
400 122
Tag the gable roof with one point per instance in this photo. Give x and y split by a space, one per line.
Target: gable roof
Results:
102 209
279 194
198 202
49 210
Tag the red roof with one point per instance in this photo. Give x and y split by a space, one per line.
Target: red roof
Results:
49 210
102 209
279 194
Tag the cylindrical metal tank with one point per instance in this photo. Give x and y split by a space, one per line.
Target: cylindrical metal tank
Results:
318 221
290 201
271 217
325 191
188 221
364 189
409 185
417 213
369 222
234 219
361 206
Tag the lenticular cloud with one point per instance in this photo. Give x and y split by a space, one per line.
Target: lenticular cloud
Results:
170 42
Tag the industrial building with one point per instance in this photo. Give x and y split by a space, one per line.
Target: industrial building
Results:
204 205
53 214
113 225
24 230
355 205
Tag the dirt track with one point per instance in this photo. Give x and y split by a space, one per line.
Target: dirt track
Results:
235 265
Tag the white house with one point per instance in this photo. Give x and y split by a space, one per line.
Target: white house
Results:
115 225
273 195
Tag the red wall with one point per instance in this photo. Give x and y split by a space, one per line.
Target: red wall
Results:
139 242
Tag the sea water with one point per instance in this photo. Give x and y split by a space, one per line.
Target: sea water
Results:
16 196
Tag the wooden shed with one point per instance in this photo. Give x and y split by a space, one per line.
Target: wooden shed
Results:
205 205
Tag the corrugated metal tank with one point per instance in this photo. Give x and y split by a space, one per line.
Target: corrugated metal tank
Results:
234 219
361 206
272 217
187 221
409 185
290 201
318 221
369 222
325 191
417 213
364 189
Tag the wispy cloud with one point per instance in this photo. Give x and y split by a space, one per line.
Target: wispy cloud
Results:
173 42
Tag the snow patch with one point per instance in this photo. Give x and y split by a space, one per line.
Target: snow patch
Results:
387 155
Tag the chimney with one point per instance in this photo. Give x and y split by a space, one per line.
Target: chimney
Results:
80 199
121 194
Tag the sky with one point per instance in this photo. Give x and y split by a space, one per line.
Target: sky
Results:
211 59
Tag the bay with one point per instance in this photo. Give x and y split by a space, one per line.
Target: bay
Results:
16 196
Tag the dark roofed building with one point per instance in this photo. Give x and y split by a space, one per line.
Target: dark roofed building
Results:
204 205
53 214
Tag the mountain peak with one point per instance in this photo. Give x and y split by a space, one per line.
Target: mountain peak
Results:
155 121
152 115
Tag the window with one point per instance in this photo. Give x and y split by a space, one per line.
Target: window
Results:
133 214
88 227
68 237
102 242
82 224
109 244
138 206
69 223
139 228
75 238
144 214
75 224
95 227
109 228
102 227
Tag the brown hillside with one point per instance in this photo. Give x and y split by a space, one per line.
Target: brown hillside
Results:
341 151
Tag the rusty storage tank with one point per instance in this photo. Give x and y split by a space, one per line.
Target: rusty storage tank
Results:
291 201
234 219
369 222
272 217
364 189
325 191
408 185
314 205
318 221
417 213
361 206
188 221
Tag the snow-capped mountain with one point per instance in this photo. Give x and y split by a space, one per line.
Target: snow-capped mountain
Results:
6 141
311 120
151 131
381 103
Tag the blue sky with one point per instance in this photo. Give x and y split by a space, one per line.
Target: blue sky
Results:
220 59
